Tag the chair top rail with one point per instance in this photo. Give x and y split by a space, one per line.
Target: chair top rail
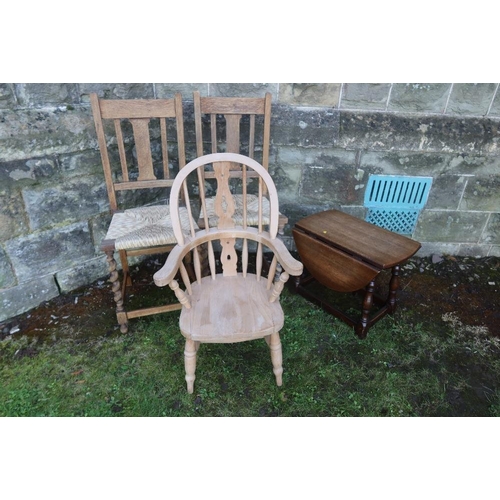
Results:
137 108
138 112
233 105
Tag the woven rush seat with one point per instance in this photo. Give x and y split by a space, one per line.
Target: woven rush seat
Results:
252 211
145 227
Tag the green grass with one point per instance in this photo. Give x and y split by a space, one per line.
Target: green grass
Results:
403 368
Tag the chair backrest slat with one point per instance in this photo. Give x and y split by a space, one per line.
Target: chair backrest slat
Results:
233 133
164 147
198 128
143 116
197 264
245 209
127 186
179 125
185 196
238 125
272 272
185 278
244 257
251 137
202 197
211 260
121 148
267 131
229 258
260 205
258 261
213 132
140 128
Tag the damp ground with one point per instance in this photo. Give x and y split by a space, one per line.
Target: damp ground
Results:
431 288
437 356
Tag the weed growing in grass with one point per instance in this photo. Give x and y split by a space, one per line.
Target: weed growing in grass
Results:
403 368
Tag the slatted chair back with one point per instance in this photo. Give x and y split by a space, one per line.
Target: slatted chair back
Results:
235 125
134 123
137 147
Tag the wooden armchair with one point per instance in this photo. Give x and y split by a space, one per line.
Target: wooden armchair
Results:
132 161
235 125
235 302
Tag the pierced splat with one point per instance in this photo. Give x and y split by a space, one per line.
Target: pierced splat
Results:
224 202
224 209
229 258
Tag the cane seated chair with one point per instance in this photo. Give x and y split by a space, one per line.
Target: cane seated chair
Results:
132 138
236 302
235 125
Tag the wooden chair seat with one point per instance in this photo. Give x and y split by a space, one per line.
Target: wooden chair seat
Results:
230 309
145 227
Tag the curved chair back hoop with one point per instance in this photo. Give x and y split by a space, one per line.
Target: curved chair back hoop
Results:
179 184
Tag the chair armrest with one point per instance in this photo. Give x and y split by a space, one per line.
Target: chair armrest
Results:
288 262
167 273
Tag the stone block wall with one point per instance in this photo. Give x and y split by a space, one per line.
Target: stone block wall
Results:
327 138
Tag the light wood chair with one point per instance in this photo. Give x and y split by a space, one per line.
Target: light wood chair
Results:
235 125
236 302
132 137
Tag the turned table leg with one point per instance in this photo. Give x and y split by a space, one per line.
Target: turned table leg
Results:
362 326
393 288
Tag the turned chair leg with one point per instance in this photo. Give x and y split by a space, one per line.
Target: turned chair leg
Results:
274 343
190 363
125 269
121 315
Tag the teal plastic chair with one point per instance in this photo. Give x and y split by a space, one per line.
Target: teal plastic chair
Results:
394 202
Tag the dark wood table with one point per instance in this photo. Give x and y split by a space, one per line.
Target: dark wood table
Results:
346 254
